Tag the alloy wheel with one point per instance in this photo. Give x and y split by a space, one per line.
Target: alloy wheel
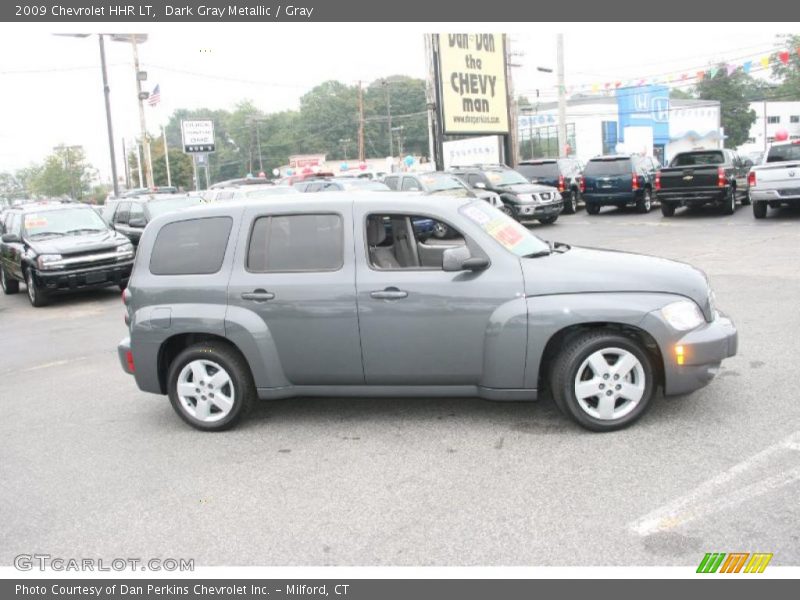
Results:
610 383
205 391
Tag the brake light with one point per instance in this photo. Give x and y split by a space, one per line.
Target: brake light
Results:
658 181
129 361
751 179
634 182
560 183
582 184
722 179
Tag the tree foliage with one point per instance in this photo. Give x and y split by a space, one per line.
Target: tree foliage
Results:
734 93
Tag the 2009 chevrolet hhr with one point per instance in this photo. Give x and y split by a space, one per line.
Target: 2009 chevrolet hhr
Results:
340 295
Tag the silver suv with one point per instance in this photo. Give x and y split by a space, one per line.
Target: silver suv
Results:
344 296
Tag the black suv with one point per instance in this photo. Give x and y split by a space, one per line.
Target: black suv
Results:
521 199
564 174
61 247
619 180
129 216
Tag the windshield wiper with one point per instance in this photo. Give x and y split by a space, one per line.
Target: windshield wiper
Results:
89 229
538 254
559 245
37 234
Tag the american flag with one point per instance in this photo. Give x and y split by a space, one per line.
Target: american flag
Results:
155 96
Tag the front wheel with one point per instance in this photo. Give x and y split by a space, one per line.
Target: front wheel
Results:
10 286
508 210
35 294
592 209
548 220
759 210
210 386
603 381
667 209
646 203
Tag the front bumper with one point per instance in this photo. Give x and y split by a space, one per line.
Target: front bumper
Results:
704 349
60 281
538 211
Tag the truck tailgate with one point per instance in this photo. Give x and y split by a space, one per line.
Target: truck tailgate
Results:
778 175
689 178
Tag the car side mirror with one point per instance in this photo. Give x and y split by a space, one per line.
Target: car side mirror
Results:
11 238
460 259
480 185
137 222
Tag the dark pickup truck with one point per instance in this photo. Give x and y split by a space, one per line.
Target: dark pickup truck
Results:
700 177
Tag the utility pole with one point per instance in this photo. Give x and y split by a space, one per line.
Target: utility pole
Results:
148 166
127 166
166 155
360 123
435 134
389 115
562 97
258 145
106 93
399 131
139 164
512 139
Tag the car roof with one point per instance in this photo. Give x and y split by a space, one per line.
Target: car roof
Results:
48 206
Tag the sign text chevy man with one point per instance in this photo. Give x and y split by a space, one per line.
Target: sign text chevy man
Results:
473 73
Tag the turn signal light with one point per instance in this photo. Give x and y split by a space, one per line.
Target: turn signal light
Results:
680 354
129 361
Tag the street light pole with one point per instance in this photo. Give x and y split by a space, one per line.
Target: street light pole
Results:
389 116
148 164
106 94
562 98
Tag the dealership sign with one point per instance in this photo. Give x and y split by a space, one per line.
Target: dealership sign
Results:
472 151
198 136
472 73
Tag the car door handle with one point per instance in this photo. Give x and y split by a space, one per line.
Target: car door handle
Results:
258 295
389 294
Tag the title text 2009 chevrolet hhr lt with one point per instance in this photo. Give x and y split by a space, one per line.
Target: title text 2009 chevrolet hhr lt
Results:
342 295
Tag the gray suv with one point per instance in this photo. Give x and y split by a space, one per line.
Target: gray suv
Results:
300 296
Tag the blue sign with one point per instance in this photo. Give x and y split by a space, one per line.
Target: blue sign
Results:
644 106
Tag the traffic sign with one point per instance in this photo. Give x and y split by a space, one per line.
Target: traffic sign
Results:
198 136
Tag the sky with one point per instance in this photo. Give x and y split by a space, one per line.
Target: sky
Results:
51 89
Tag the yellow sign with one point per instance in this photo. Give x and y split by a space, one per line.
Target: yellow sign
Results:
472 69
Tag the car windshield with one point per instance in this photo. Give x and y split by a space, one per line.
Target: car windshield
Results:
364 184
65 221
440 182
505 177
783 152
545 169
688 159
604 167
268 191
510 234
160 207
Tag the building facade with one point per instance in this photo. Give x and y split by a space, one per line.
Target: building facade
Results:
771 117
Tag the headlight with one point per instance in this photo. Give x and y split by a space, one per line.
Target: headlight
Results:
683 315
125 248
48 261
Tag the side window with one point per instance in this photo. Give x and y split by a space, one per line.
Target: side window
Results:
391 182
15 224
284 243
411 184
191 247
122 214
225 195
473 178
408 241
136 212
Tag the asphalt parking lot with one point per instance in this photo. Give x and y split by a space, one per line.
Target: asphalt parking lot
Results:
92 467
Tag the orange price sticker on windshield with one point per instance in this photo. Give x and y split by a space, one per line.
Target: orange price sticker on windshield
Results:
507 235
34 221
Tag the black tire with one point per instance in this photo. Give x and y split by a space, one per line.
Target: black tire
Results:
746 199
37 297
237 368
667 209
729 204
548 220
645 204
564 372
592 209
759 210
508 210
571 203
9 285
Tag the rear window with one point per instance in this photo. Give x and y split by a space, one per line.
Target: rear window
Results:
296 243
191 247
783 152
689 159
616 166
548 169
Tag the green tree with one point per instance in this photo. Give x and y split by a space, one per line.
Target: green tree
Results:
788 75
180 166
408 106
66 172
734 93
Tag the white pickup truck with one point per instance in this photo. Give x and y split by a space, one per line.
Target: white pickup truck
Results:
776 181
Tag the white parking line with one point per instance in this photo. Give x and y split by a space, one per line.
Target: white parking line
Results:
706 498
55 363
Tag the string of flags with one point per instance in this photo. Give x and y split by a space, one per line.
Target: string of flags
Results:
758 63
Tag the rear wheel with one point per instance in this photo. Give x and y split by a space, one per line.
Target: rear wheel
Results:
210 386
729 204
645 203
759 210
592 209
9 285
603 381
667 209
571 202
35 294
